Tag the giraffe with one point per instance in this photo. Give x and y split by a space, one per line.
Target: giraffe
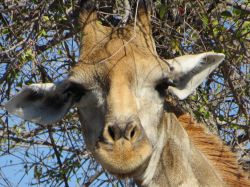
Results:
119 87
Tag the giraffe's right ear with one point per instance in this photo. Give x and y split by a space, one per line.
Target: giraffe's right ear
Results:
45 103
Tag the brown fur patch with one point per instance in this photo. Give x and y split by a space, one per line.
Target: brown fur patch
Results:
213 148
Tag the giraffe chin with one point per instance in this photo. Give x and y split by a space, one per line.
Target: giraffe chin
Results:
123 158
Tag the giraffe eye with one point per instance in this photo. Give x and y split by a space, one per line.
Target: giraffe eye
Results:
162 86
76 90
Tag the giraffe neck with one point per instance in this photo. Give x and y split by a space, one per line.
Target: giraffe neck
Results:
177 162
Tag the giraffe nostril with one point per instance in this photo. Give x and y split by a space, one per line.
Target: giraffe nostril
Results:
131 131
114 132
132 134
111 132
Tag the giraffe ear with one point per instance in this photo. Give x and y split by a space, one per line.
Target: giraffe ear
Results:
45 103
189 71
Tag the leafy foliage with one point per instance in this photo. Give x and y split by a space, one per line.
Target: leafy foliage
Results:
39 42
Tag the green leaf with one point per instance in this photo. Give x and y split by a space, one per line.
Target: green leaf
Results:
194 36
45 18
215 23
239 12
175 46
162 11
5 31
28 55
42 33
226 13
221 117
245 28
60 52
204 20
204 112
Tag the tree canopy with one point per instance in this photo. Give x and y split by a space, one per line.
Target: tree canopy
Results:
39 42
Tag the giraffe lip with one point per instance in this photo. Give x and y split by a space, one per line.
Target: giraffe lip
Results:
103 142
122 156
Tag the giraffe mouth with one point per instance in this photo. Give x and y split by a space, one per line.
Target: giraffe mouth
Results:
123 157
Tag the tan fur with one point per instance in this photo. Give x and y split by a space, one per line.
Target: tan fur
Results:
123 154
117 87
219 154
125 57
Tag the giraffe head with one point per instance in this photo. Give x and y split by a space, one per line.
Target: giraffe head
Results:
119 87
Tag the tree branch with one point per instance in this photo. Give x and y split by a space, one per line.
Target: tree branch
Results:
238 6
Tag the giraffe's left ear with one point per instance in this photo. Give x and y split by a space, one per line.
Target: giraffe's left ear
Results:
188 71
